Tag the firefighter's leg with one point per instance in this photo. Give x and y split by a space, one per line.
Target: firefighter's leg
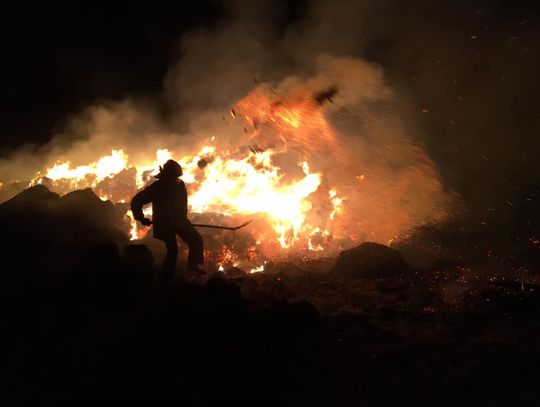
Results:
195 244
169 264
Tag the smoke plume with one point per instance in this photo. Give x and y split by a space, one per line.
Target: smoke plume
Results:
375 160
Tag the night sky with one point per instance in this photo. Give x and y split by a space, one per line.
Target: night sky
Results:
468 70
57 59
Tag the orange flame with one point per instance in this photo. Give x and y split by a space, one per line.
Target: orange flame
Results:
247 182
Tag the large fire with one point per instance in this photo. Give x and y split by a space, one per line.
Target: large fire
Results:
294 212
317 164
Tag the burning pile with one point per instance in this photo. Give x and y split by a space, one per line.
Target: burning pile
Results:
291 206
288 162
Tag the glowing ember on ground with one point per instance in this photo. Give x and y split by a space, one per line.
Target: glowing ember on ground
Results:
258 269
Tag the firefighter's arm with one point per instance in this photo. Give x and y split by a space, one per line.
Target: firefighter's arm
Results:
142 198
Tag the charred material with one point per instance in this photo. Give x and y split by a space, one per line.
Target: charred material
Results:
371 260
325 95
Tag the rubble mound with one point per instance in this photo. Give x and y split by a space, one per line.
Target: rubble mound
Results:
40 227
33 198
371 260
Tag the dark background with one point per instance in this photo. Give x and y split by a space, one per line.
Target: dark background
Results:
470 65
59 58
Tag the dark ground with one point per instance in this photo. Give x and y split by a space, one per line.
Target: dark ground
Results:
86 321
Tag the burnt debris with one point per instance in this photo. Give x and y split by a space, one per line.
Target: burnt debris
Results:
325 95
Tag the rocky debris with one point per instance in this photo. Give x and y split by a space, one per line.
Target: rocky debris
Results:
371 260
41 228
83 207
34 198
10 190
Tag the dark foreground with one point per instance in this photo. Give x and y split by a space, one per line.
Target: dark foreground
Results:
86 322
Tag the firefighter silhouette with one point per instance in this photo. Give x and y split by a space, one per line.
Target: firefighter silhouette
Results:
168 196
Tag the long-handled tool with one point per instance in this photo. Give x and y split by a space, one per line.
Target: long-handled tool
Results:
202 225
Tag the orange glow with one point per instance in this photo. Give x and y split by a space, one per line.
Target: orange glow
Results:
308 189
239 184
245 186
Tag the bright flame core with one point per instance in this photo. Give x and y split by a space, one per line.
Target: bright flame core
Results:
246 186
236 184
314 162
254 186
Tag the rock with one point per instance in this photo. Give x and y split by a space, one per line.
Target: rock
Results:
84 207
10 190
46 230
371 260
235 272
36 197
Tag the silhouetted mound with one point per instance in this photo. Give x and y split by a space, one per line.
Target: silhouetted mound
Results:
371 260
10 190
34 198
41 228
